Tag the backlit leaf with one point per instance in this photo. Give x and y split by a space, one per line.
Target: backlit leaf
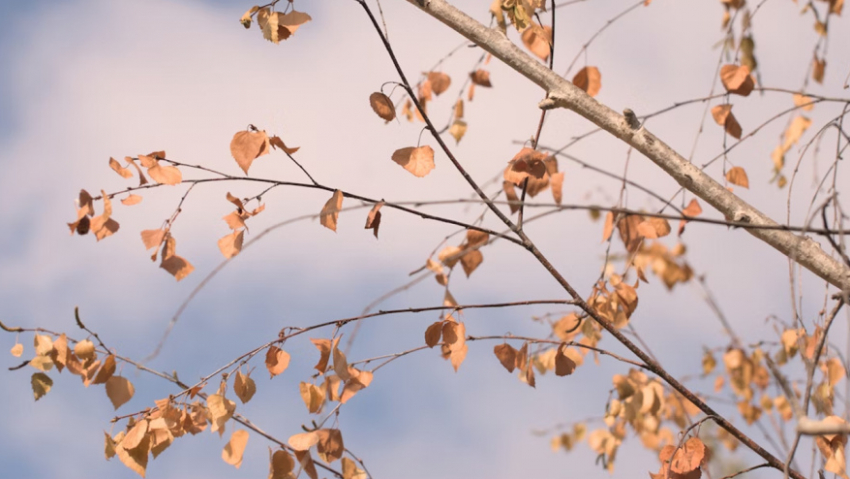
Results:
277 360
41 384
232 452
737 176
247 146
417 160
330 212
588 79
119 390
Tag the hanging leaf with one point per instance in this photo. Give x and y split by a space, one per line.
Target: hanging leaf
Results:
382 105
588 79
439 82
538 40
419 161
723 116
233 450
373 220
247 146
330 212
737 79
737 176
480 78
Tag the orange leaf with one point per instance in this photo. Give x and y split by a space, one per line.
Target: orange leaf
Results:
737 79
480 78
124 172
538 40
506 355
439 82
373 220
131 200
330 212
233 450
737 176
231 244
588 79
247 146
277 143
277 360
419 161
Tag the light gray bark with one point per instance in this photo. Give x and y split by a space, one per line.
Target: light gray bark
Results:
562 93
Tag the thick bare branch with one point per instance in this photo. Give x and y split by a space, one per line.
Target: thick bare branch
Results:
562 93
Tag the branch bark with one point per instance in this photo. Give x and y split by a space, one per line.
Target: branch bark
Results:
563 94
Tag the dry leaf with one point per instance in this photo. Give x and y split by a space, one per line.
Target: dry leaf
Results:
307 464
330 445
277 360
324 346
439 82
244 386
470 261
303 441
175 265
131 200
277 26
723 116
247 146
246 17
803 101
737 79
330 212
737 176
281 465
166 175
564 366
17 350
232 452
382 105
41 384
818 69
538 40
480 78
277 143
510 195
313 397
373 220
588 79
221 410
608 227
506 355
106 370
153 238
433 333
556 180
457 130
231 244
119 390
124 172
419 161
795 131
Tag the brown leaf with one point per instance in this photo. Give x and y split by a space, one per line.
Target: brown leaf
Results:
175 265
510 195
313 397
247 146
723 116
588 79
737 176
737 79
307 464
459 109
373 220
470 261
281 464
103 225
330 445
433 333
119 390
277 26
330 212
480 78
277 360
419 161
354 385
324 346
439 82
693 209
124 172
231 244
538 40
818 69
382 105
246 17
688 457
506 355
528 164
132 161
17 350
232 452
136 459
277 143
564 366
41 384
244 386
106 370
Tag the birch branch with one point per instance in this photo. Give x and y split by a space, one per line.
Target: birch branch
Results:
563 94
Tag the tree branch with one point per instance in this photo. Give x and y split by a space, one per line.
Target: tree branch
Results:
564 94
